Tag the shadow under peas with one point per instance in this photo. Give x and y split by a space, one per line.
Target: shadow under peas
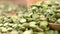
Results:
59 32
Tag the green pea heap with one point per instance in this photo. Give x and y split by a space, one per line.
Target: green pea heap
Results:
50 9
33 22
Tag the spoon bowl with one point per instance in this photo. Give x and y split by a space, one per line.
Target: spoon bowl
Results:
54 26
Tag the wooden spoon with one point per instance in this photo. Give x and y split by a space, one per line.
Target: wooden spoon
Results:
54 26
